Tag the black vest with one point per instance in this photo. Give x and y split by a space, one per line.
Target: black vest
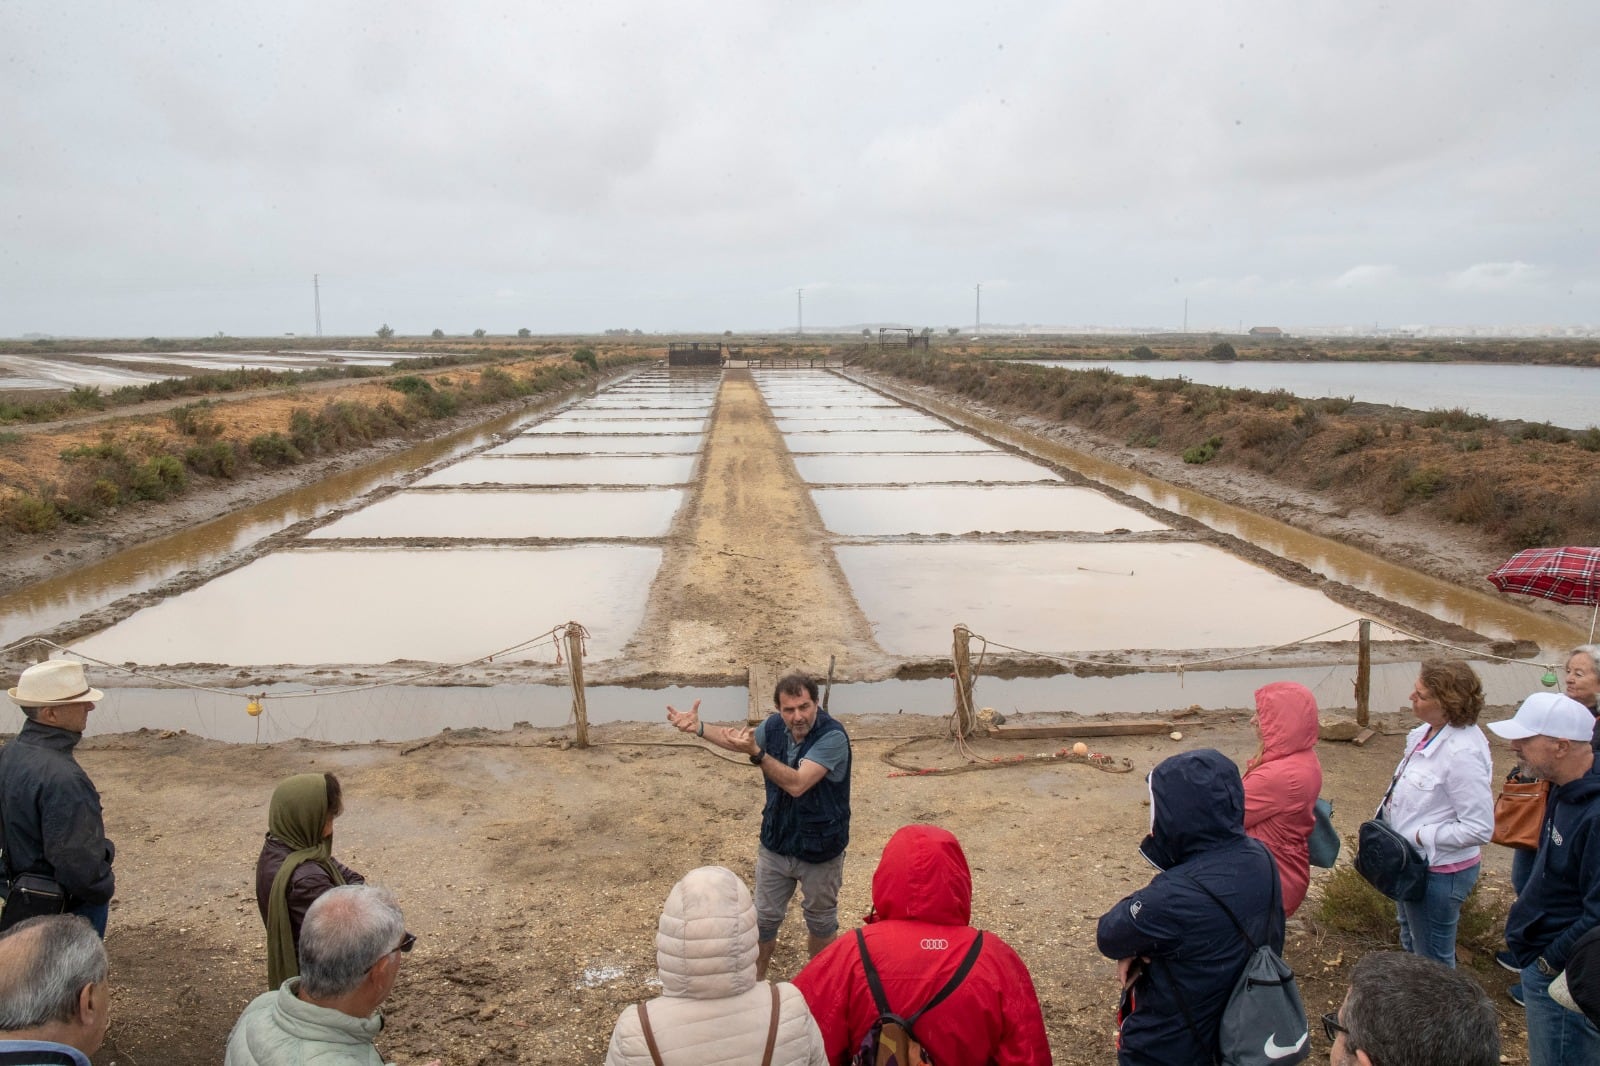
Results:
814 827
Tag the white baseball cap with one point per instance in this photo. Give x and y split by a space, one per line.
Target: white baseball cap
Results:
1548 714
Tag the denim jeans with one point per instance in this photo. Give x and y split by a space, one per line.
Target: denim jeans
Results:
1428 925
1521 867
1556 1036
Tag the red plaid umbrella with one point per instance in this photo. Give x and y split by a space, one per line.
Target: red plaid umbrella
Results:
1565 575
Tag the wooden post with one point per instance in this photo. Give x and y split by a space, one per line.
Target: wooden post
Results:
1364 673
961 656
580 703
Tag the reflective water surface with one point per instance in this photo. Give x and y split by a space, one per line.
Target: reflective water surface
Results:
965 509
488 515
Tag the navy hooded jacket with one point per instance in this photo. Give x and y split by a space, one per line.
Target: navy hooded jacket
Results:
1561 900
1196 952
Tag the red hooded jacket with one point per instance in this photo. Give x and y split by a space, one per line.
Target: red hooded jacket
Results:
919 933
1281 785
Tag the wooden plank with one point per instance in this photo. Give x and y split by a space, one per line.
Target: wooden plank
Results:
1119 728
1362 737
762 678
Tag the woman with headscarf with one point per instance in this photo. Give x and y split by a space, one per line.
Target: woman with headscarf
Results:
297 865
1281 784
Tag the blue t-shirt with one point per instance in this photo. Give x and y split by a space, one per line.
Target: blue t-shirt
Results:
832 750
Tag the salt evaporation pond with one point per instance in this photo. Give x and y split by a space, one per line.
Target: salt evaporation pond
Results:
591 444
505 469
575 515
619 426
886 441
308 607
955 509
891 469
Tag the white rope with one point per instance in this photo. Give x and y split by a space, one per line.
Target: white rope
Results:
552 638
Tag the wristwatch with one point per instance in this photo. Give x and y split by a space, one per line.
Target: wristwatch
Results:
1544 967
755 760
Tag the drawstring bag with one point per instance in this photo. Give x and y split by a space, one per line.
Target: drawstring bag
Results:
1324 842
891 1041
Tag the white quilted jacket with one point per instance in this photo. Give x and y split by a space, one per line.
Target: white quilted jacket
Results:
712 1011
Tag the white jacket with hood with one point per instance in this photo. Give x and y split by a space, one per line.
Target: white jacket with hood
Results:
712 1010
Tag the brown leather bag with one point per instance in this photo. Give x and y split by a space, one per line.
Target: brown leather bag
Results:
1519 813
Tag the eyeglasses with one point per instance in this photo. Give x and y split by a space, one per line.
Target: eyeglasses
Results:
1331 1026
407 942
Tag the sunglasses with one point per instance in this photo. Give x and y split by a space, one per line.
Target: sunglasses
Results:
1331 1026
407 942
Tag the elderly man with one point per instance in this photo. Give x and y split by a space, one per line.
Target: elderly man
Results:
350 949
1406 1010
1550 735
804 756
54 1004
57 856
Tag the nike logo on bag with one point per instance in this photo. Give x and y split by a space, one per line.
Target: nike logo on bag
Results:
1274 1050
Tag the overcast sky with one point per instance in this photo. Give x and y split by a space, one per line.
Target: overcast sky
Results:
183 168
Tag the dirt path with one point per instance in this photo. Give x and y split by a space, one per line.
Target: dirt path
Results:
748 577
533 874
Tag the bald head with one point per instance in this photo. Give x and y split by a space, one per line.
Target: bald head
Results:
53 982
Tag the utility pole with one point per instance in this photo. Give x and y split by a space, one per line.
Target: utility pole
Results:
799 312
316 296
977 309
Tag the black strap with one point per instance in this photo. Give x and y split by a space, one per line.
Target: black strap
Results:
43 1057
876 985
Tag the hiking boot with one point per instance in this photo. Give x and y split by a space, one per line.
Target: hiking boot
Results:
1515 992
1506 962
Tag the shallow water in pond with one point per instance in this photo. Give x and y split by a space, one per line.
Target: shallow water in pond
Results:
869 424
441 605
618 426
881 511
1062 597
588 514
893 469
560 470
592 444
888 441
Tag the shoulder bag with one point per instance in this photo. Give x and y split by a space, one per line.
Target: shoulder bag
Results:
1389 862
766 1056
1324 843
1519 812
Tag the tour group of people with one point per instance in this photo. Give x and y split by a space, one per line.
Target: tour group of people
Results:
1231 853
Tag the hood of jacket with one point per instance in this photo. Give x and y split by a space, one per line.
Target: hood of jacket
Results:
923 876
706 939
1287 715
1197 804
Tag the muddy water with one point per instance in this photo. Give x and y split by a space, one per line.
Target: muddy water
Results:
1481 612
883 510
50 603
581 515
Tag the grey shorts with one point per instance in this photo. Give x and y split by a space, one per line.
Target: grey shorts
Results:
776 878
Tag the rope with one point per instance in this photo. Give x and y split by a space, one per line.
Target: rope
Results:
551 637
1107 763
1189 664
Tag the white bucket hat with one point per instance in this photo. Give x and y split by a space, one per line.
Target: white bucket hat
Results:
54 683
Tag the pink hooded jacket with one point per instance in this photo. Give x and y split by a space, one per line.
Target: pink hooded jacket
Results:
1281 785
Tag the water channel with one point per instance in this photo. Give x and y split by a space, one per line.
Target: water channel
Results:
541 517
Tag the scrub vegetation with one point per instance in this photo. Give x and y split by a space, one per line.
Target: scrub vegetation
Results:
1527 485
157 456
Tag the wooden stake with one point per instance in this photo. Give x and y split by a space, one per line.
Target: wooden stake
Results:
961 655
1364 673
580 703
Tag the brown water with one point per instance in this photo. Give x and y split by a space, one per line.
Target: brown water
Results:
142 567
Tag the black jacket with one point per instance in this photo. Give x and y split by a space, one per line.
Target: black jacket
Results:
1561 900
50 821
1196 952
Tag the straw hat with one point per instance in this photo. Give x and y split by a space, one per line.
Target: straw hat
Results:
54 683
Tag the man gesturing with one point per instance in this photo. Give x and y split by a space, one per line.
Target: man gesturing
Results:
804 756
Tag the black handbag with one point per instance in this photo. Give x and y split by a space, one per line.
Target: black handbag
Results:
1391 863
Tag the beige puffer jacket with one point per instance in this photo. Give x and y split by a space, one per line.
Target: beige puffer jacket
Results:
712 1010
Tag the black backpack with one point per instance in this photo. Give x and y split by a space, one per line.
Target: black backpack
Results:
891 1040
